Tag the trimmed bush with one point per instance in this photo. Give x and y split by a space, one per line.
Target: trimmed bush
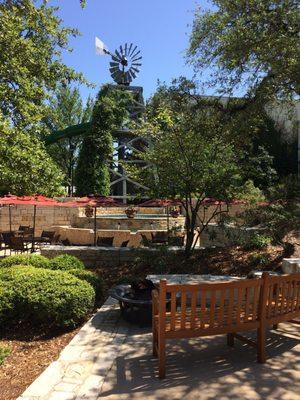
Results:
66 262
44 296
94 280
257 242
35 260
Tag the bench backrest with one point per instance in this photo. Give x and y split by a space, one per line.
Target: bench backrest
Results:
211 307
282 298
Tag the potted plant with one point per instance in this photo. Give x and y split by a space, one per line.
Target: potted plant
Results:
89 212
130 211
174 213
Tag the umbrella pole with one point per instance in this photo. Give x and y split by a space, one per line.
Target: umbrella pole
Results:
33 233
9 216
168 221
95 226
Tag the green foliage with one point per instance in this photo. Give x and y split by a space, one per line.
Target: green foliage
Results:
250 193
287 189
4 352
257 167
277 219
257 241
25 166
44 296
192 156
66 262
31 42
67 109
34 260
251 44
258 260
110 113
90 277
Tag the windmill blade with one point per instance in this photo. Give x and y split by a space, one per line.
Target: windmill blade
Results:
135 69
118 55
125 49
114 64
137 64
137 53
133 51
137 59
129 50
133 74
122 51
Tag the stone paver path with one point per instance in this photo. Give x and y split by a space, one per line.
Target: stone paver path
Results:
79 372
110 360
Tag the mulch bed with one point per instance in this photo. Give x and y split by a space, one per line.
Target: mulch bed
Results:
33 350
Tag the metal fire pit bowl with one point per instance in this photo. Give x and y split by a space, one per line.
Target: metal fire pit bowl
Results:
135 307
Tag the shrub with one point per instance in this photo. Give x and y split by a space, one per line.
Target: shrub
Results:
259 260
257 241
4 352
35 260
44 296
90 277
66 262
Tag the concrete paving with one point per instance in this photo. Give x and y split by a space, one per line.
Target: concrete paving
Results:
111 360
206 369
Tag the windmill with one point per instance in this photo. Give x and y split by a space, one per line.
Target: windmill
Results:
125 61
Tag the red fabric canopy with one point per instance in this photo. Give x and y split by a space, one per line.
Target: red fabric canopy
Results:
37 200
160 203
95 201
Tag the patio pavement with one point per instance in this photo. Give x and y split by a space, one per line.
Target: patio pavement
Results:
112 360
206 369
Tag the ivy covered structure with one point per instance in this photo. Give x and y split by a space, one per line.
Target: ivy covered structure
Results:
109 144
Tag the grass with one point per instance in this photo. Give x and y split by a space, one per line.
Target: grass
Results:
4 352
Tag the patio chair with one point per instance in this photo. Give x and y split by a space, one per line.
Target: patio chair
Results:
145 241
105 241
176 241
18 245
6 237
23 228
46 237
159 237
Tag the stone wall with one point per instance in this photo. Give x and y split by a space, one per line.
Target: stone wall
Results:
94 257
45 217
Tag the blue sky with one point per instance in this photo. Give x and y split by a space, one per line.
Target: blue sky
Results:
160 28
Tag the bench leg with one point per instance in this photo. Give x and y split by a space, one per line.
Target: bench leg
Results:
275 327
154 341
161 358
261 345
230 339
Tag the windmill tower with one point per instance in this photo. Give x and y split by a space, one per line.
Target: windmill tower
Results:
124 67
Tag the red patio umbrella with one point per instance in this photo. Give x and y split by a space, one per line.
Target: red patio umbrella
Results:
37 200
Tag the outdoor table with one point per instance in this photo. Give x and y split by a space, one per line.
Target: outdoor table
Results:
190 279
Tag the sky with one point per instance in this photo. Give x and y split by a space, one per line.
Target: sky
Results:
160 28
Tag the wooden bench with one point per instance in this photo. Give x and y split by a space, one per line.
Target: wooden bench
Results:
224 308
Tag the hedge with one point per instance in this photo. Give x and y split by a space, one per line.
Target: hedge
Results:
94 280
44 296
35 260
66 262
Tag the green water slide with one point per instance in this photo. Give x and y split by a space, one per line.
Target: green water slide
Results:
70 131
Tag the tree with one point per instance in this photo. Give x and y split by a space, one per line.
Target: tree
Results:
31 42
25 166
66 109
110 113
252 44
191 157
